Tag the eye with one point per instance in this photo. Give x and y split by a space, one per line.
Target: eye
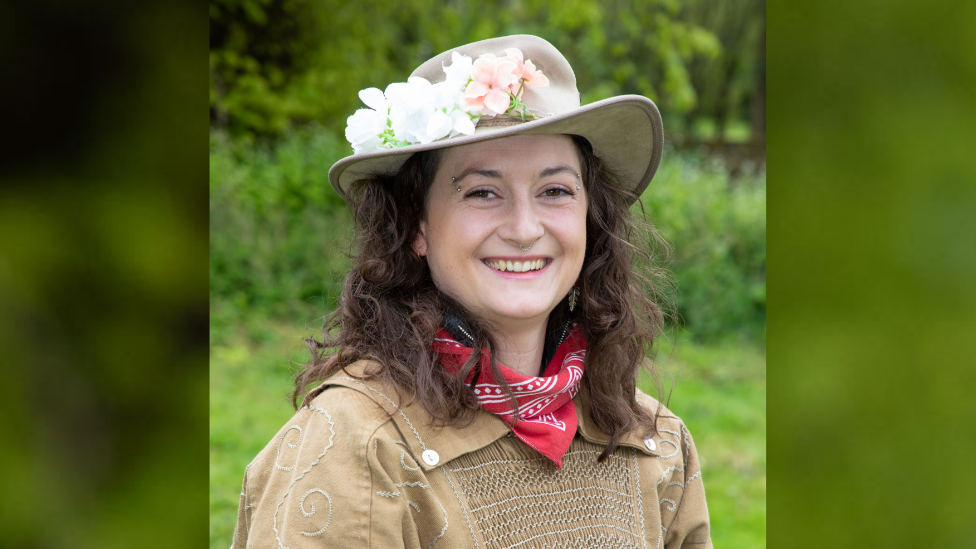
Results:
481 194
554 192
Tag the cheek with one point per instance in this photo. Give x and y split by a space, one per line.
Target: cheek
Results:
569 227
453 241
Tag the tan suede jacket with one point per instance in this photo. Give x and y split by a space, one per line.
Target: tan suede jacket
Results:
345 473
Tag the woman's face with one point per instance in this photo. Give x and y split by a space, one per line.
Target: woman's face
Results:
519 190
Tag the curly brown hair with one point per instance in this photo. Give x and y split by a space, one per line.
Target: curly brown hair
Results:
390 309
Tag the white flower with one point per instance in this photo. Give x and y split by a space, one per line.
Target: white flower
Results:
363 130
416 111
462 123
373 98
439 125
364 127
410 109
459 71
421 112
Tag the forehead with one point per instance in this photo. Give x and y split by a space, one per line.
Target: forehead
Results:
518 150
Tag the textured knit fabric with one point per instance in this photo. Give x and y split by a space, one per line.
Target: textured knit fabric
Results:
350 471
547 414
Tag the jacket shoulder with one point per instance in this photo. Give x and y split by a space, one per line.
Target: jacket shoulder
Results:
313 473
684 512
662 413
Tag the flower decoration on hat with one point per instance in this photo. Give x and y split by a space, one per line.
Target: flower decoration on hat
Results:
417 111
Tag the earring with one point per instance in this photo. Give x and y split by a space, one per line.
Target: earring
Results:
573 296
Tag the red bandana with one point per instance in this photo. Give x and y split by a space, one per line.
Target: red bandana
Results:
546 408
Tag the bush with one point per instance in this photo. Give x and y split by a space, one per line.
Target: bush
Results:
718 229
276 225
278 232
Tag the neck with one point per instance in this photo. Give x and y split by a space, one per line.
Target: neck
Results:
520 348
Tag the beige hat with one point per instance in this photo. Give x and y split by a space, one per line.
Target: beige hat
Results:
625 131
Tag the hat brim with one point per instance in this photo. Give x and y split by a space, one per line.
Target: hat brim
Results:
625 132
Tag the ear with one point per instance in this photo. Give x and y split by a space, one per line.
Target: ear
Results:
419 244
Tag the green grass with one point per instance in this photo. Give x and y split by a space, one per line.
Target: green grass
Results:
719 391
251 364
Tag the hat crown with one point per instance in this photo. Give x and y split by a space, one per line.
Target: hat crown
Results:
560 96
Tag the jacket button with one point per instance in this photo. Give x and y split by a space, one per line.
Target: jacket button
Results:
649 442
430 457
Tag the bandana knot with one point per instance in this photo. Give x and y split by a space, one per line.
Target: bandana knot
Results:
547 413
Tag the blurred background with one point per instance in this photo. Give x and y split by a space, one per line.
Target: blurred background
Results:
103 275
284 76
104 271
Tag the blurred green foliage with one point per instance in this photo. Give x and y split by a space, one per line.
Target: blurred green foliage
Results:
278 232
717 226
275 63
103 279
872 419
277 229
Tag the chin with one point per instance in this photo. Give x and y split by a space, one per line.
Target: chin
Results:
521 313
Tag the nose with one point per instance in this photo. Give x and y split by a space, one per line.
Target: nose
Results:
522 225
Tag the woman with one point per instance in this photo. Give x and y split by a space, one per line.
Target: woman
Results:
480 374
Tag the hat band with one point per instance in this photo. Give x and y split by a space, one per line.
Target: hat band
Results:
499 121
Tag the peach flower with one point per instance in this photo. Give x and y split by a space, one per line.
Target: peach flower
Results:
515 56
534 77
492 78
524 71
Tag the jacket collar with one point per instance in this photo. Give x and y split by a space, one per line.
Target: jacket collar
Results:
449 441
589 431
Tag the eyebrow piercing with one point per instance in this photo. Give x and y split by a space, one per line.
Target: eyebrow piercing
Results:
455 180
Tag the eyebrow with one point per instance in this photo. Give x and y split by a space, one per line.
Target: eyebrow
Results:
495 174
557 169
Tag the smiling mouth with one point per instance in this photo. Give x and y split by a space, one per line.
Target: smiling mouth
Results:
517 266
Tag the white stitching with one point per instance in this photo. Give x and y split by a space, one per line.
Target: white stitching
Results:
674 504
389 494
446 523
676 449
498 461
416 484
463 510
686 436
547 503
420 440
668 470
274 524
404 464
640 503
526 516
301 507
569 531
547 494
290 445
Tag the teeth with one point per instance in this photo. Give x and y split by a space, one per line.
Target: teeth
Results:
517 266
